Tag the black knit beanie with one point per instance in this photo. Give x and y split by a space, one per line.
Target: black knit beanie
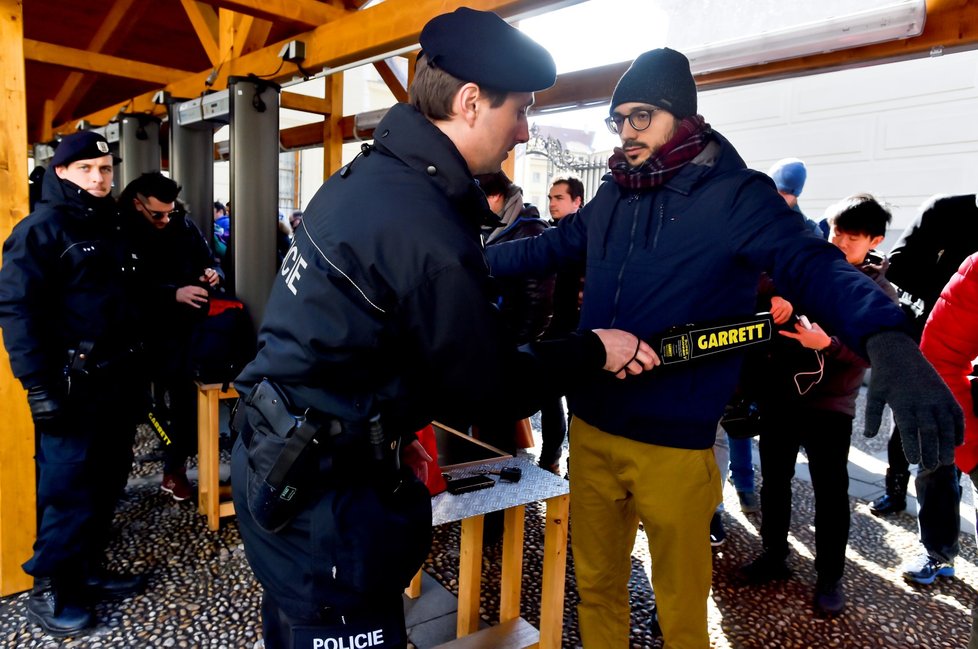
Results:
661 78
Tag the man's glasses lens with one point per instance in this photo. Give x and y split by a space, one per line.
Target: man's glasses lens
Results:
176 212
639 120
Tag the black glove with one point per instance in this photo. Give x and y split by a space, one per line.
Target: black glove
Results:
47 404
931 422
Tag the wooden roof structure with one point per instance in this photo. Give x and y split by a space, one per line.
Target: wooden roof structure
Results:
63 61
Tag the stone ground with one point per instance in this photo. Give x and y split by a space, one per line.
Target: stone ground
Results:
202 594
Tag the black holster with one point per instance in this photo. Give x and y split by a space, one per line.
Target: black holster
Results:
284 459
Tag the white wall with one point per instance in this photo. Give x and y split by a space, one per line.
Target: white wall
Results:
903 131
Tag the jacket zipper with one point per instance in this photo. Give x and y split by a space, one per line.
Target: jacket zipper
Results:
633 199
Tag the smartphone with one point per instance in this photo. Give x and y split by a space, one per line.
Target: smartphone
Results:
471 483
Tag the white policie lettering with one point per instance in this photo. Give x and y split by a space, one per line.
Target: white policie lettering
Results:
291 267
358 641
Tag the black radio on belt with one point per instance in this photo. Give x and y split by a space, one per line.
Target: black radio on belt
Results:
690 342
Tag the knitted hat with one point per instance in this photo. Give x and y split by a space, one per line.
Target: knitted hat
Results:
789 175
83 145
481 47
660 78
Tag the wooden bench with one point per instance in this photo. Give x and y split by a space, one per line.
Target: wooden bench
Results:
209 490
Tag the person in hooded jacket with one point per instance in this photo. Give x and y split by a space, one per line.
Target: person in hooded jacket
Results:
382 319
67 292
679 233
175 262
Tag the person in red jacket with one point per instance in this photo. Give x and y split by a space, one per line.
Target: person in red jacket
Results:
950 343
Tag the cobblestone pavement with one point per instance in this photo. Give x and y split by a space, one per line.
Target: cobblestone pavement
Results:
202 594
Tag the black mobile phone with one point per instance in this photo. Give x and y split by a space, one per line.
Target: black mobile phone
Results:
471 483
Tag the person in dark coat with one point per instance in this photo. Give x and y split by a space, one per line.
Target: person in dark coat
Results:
381 320
177 276
66 294
679 233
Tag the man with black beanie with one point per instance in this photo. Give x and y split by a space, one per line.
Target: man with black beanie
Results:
680 235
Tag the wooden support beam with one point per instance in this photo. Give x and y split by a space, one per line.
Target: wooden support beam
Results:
305 103
951 24
75 59
203 18
17 496
390 78
47 119
117 23
254 37
333 136
309 13
385 27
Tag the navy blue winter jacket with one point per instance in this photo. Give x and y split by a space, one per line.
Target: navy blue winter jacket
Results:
691 251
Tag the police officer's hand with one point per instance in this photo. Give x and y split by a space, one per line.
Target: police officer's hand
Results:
195 296
47 403
625 353
417 459
931 422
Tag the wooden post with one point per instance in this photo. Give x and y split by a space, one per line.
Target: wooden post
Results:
332 133
17 493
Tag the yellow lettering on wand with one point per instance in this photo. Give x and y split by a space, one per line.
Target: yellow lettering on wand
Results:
159 429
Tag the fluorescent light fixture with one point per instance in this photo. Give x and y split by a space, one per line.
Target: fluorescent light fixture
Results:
895 20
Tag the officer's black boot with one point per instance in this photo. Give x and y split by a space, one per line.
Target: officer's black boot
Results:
102 584
895 498
47 607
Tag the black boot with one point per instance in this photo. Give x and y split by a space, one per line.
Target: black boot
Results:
47 608
894 500
104 584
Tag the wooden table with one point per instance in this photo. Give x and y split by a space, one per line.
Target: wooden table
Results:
535 485
209 490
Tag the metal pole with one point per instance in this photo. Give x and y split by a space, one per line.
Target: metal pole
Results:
192 167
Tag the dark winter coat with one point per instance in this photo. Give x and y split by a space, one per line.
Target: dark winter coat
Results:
66 278
691 251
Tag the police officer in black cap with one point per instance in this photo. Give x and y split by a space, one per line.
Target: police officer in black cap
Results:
380 321
67 326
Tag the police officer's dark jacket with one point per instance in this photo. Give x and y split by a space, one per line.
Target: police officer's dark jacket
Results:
383 303
65 279
691 251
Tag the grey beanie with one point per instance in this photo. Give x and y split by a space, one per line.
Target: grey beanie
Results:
661 78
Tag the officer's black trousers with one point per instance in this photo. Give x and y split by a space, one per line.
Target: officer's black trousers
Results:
384 617
81 474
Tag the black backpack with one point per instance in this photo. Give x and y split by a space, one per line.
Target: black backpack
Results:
223 343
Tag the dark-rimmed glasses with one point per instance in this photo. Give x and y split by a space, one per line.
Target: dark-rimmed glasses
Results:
639 119
158 216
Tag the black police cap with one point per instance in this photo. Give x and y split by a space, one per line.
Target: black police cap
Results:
83 145
481 47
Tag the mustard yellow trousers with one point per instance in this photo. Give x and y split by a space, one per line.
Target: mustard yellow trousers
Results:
615 483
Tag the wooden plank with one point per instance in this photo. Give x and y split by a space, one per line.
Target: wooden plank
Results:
393 83
950 24
116 24
203 18
514 634
413 591
382 28
255 37
554 572
309 13
47 119
511 579
469 576
305 103
76 59
333 135
17 498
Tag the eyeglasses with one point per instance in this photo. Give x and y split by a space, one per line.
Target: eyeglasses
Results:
158 216
639 119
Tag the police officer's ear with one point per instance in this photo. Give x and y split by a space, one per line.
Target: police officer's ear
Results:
467 102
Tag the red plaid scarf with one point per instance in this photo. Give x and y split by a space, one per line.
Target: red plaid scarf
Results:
690 139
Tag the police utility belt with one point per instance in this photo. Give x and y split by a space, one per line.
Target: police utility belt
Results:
691 342
291 456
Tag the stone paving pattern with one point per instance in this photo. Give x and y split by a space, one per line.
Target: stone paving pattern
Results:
202 593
